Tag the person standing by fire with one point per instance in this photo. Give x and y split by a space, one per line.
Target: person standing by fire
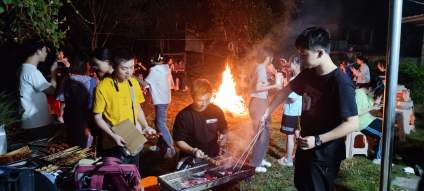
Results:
331 116
290 121
258 103
199 126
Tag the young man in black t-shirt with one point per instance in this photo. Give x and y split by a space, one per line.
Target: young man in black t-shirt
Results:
331 115
198 126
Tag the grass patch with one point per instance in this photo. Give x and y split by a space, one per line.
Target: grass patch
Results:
357 173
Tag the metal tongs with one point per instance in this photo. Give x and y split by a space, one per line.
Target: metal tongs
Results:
242 160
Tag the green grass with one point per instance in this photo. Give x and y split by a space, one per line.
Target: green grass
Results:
357 173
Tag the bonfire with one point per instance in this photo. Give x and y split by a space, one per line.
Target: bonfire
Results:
226 97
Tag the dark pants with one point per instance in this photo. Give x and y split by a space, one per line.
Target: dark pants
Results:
314 175
374 130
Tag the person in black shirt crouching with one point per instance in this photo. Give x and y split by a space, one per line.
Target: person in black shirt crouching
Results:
198 127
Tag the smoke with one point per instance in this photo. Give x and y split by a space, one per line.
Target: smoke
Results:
296 17
239 137
280 39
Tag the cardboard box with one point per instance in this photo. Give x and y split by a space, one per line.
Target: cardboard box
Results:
134 138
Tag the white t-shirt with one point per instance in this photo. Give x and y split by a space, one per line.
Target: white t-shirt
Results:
260 78
159 79
33 100
365 76
295 108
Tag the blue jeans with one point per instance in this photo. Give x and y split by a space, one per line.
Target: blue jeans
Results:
161 111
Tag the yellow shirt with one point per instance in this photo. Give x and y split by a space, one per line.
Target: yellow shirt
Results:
116 105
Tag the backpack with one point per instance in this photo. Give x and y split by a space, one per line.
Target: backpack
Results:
109 175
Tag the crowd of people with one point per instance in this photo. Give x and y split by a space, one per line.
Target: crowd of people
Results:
92 94
322 104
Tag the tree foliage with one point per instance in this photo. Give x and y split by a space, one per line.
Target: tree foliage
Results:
24 19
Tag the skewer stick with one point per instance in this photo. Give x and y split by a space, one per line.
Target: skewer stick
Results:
242 160
250 149
246 152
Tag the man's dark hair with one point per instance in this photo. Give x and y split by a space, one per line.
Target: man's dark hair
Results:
157 57
120 56
314 38
103 54
30 47
79 64
362 58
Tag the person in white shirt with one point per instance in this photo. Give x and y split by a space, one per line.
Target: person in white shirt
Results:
258 104
290 120
159 80
362 74
33 88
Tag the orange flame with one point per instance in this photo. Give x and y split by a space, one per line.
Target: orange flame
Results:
226 97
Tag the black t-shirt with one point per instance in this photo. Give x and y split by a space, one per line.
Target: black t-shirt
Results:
330 99
200 129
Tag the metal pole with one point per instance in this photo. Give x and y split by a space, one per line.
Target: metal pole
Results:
393 49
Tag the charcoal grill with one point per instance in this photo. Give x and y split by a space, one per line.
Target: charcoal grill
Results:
175 181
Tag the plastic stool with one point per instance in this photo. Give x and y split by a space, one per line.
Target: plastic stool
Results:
149 183
352 149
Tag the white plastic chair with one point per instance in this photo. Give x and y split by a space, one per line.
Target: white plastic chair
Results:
351 150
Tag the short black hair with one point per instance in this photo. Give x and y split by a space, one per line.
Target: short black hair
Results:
313 38
30 47
157 57
103 54
79 64
121 55
362 58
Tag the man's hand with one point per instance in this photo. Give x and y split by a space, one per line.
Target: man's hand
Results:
65 62
119 140
297 134
376 107
306 143
222 140
264 117
149 131
198 153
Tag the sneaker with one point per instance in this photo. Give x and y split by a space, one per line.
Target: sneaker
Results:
376 161
260 169
170 153
285 162
265 163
